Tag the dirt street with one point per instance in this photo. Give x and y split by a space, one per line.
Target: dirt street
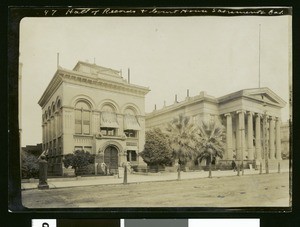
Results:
270 190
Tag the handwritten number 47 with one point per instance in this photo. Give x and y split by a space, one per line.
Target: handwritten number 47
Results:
50 12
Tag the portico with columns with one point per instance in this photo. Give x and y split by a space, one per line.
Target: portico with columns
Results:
242 113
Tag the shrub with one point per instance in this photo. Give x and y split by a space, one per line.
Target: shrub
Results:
78 159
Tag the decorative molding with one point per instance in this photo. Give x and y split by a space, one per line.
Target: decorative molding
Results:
51 89
105 84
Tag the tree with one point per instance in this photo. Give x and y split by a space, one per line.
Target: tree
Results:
211 142
182 135
157 150
78 159
30 165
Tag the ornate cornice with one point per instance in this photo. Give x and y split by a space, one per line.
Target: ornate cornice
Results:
120 86
83 79
52 87
183 104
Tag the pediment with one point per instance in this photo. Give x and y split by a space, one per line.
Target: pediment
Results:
264 95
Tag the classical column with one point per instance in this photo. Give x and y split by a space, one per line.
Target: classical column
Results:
278 139
258 136
250 136
272 138
229 154
238 140
241 130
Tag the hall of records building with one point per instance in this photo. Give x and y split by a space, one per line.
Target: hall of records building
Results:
93 108
241 113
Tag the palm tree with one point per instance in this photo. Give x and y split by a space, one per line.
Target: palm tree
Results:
182 135
211 142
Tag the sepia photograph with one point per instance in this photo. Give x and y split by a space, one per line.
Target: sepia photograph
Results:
156 108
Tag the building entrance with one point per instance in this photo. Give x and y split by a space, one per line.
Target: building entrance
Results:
111 159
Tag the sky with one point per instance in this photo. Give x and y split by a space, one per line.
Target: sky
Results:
169 55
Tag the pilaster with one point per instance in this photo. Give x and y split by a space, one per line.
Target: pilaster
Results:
241 132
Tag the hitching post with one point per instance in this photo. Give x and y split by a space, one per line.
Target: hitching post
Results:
125 174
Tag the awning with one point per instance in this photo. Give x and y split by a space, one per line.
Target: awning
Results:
109 120
131 123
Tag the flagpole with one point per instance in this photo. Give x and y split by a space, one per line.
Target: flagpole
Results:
259 57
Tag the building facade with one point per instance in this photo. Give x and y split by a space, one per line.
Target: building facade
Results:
93 108
242 113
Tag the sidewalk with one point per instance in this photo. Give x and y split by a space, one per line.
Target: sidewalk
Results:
135 178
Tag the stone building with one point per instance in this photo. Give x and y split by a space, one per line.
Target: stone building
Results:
93 108
242 115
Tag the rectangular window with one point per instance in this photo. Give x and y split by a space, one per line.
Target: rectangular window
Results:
131 156
78 125
86 122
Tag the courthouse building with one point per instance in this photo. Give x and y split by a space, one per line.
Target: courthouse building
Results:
240 112
93 108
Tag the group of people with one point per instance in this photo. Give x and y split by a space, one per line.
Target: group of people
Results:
106 171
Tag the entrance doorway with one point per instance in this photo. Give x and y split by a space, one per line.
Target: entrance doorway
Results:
111 159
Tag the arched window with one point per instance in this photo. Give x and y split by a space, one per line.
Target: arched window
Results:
59 116
131 124
58 104
53 108
109 123
82 118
